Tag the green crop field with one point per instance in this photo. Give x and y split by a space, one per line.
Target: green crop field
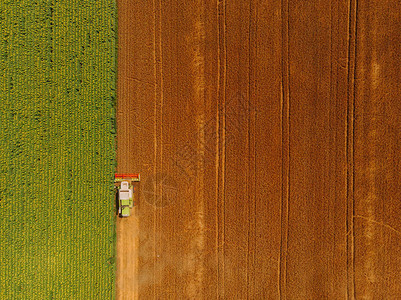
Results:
57 155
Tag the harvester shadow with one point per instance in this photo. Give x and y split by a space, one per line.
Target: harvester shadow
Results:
116 204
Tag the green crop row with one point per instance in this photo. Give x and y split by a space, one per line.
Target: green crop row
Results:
57 149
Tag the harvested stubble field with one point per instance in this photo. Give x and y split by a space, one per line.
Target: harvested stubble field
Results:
267 135
57 158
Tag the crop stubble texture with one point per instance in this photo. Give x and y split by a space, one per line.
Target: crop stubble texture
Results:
57 158
266 136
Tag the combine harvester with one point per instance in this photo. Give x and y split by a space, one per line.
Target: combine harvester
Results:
125 192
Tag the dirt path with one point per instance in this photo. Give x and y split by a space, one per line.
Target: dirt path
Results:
130 150
266 134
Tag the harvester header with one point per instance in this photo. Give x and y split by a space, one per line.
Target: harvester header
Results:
118 177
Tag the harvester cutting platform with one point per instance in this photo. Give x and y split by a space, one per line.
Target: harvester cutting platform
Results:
125 184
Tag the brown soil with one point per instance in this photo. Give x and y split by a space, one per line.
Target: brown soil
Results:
267 138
